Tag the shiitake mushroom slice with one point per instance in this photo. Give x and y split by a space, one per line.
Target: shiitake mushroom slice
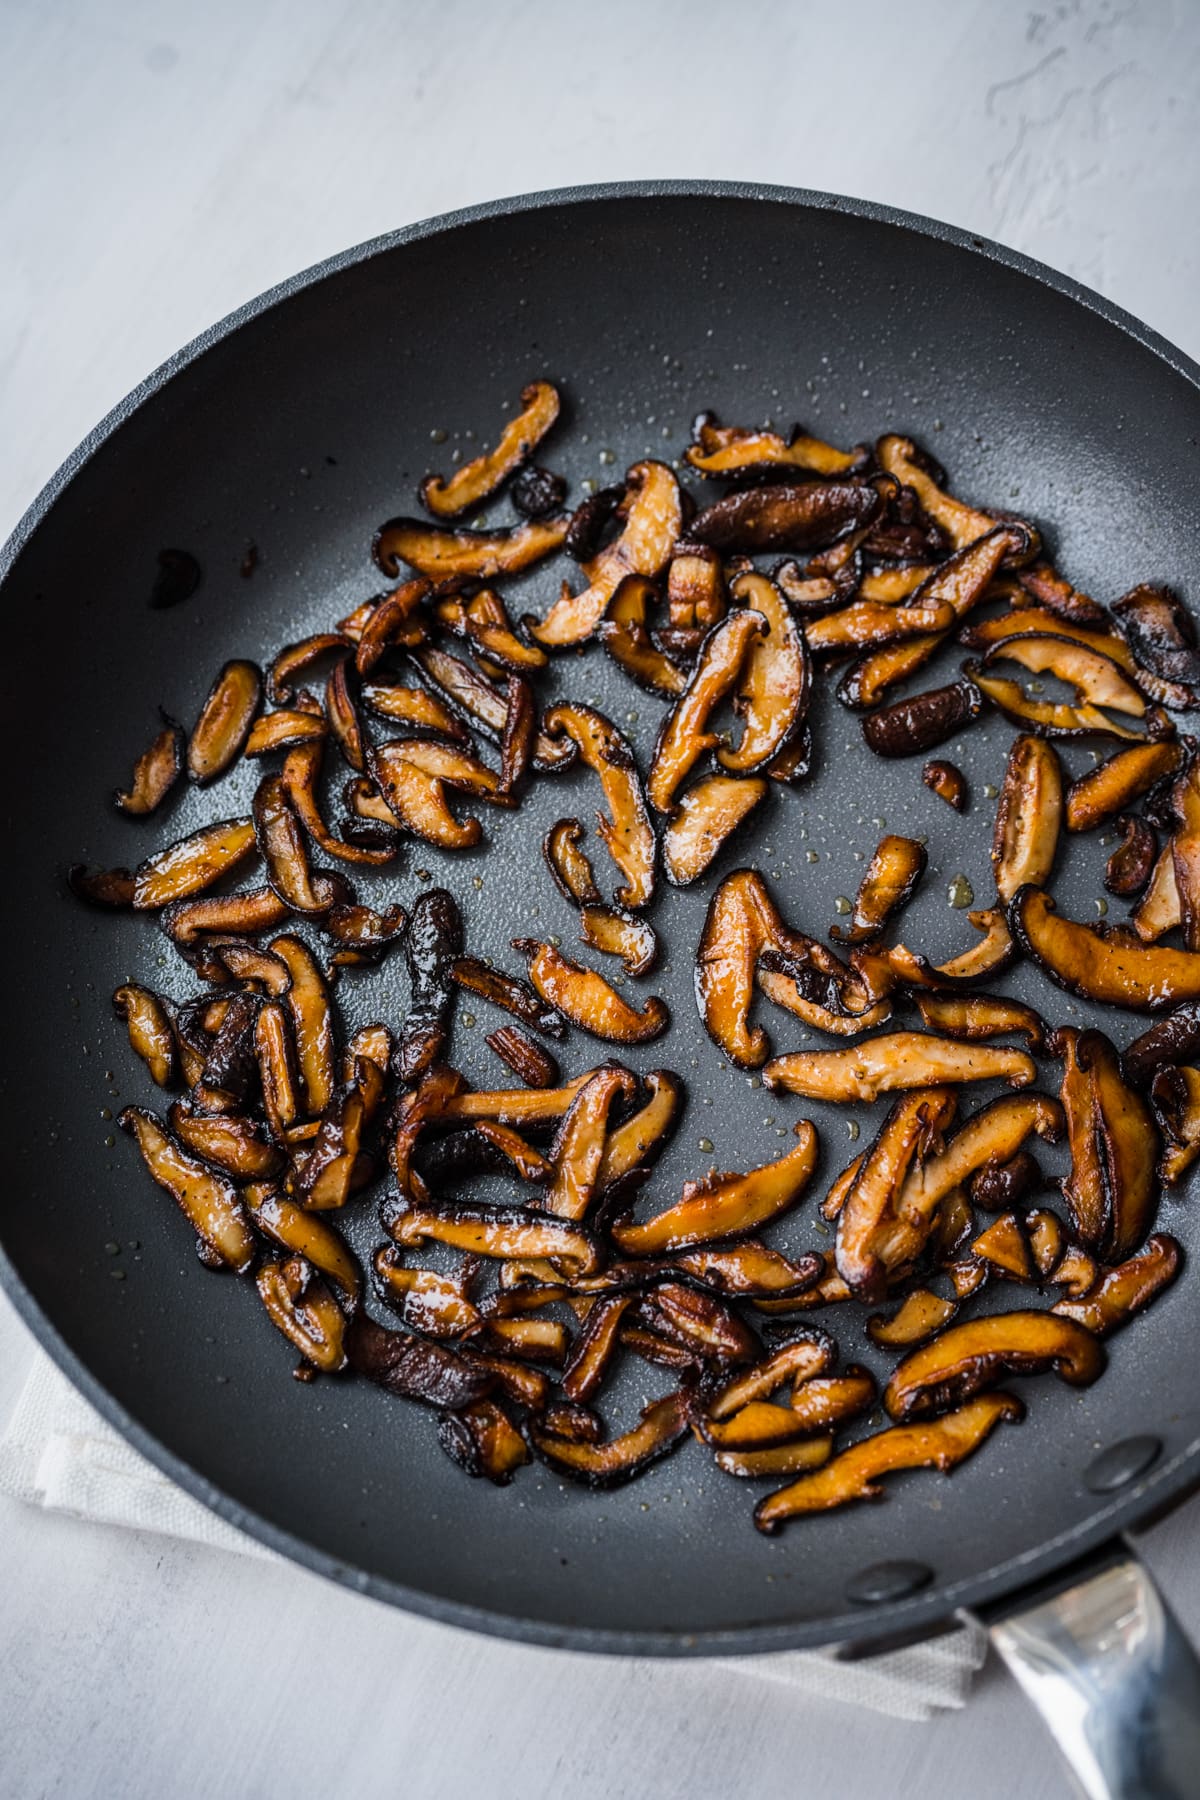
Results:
444 553
640 1139
965 1358
229 1142
915 1320
192 922
978 1016
495 1231
1110 1190
894 1061
736 451
531 1063
151 1034
921 722
651 513
219 734
433 945
501 989
483 1441
663 1427
625 830
477 480
685 734
207 1200
1110 966
696 598
580 1144
1028 816
1160 633
155 773
305 1234
706 817
876 1238
867 625
963 524
585 998
1131 864
415 1368
415 707
283 845
1118 1293
615 932
483 622
802 515
432 1303
889 884
311 1016
286 727
300 1305
624 631
414 776
771 695
192 864
524 1108
724 1206
295 659
568 864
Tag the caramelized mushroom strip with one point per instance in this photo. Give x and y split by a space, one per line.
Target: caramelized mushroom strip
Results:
294 659
299 1305
1033 621
432 949
312 1022
579 1148
1175 1094
761 1425
947 781
1131 864
876 1240
483 621
706 818
803 516
456 554
1050 590
192 863
625 634
496 1231
825 1400
965 1358
284 729
685 733
413 775
1111 1187
891 1063
664 1425
101 887
208 1201
975 1016
531 1062
911 726
651 514
479 479
870 625
1110 967
229 1142
595 1347
300 776
150 1034
1109 789
615 932
154 773
749 1269
724 1206
807 1354
325 1181
1159 909
414 706
780 1459
625 830
1095 677
639 1139
734 450
1004 1247
284 849
888 885
741 920
527 1162
771 697
989 1140
483 1441
1028 817
509 991
483 706
520 1107
225 720
919 1315
1120 1292
275 1053
1170 1040
568 864
696 599
867 681
434 1304
1048 717
396 619
855 1474
586 999
1185 851
819 992
415 1368
962 524
697 1321
306 1235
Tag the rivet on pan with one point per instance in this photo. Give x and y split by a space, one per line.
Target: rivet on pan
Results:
1121 1463
887 1581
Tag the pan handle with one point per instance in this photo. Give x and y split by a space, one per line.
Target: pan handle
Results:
1113 1676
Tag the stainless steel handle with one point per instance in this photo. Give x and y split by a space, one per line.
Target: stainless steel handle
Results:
1113 1677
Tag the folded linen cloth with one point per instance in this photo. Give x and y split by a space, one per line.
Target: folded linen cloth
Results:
59 1454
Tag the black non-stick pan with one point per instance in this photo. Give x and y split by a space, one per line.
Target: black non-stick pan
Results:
297 426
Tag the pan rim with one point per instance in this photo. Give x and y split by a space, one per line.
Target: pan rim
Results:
1171 1481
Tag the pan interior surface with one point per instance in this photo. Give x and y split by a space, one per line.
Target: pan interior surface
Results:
299 432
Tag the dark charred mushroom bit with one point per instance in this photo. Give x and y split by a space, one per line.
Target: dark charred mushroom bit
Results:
369 747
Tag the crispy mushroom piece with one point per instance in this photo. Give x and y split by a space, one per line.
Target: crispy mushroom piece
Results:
705 819
1160 632
922 721
299 775
433 946
1101 793
413 706
1131 864
520 1107
760 1425
999 1186
342 690
615 932
1051 590
696 1320
947 781
640 1139
625 634
154 773
483 706
434 1304
188 922
871 625
987 1142
455 553
1096 677
483 622
220 733
1160 909
963 524
1120 1292
685 734
732 451
207 1200
1028 817
568 864
855 1474
585 998
306 1235
594 1348
394 619
1170 1040
1049 718
1175 1095
875 1238
801 1357
977 1016
312 1022
919 1315
479 479
229 1142
325 1181
625 830
299 1304
696 599
538 493
663 1426
294 659
750 1270
794 1458
652 514
888 885
101 887
824 1400
581 1142
278 1070
284 849
191 864
789 516
483 1441
771 696
1108 966
866 681
739 923
282 730
150 1032
413 777
415 1368
1004 1246
724 1206
495 1231
893 1062
966 1358
501 989
532 1062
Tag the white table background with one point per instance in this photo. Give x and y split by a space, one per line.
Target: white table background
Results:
160 164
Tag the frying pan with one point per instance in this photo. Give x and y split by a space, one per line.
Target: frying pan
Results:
298 425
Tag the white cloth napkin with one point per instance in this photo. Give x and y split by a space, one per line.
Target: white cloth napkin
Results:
58 1453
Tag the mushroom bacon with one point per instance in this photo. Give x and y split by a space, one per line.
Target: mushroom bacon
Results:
1110 967
294 659
150 1033
1028 817
732 451
803 516
625 634
432 949
893 1061
285 728
479 479
915 1320
977 1016
808 1354
414 1367
988 1141
443 554
299 1304
1175 1094
1131 864
154 773
585 998
231 1143
663 1426
1111 1187
496 1231
311 1017
284 849
431 1303
208 1200
1051 590
855 1474
501 989
414 706
741 920
870 625
947 781
888 885
685 733
615 932
579 1148
875 1238
696 598
192 864
911 726
723 1206
965 1358
750 1270
305 1234
522 1108
220 732
636 1142
625 830
963 524
652 514
191 922
1120 1292
810 982
771 696
531 1062
708 814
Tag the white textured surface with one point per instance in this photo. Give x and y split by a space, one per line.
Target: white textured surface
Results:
158 165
